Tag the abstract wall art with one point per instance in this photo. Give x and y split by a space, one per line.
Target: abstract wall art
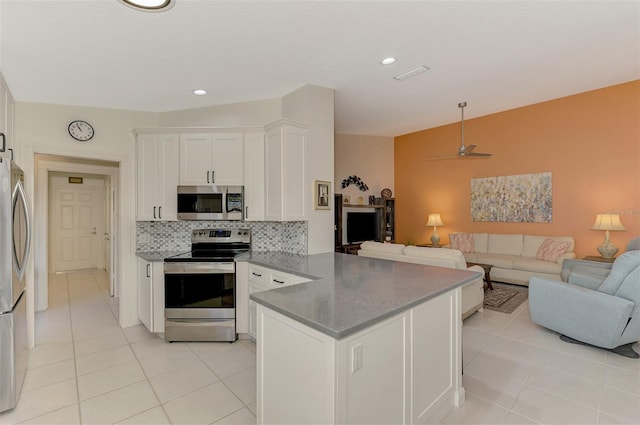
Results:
523 198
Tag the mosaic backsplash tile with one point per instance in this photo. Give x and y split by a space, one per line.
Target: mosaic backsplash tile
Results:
290 236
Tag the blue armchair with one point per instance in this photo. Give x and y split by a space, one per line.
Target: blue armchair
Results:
603 311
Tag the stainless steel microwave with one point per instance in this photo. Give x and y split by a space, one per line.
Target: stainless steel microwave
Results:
210 202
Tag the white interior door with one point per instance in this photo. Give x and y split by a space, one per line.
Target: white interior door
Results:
76 224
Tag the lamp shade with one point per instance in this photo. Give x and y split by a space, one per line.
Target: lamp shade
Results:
608 222
435 220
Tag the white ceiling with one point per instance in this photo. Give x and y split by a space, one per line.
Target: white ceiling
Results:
496 55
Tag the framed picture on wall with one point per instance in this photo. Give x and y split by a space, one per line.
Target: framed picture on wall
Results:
322 195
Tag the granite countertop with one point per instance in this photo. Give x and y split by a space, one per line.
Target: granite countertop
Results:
157 255
349 292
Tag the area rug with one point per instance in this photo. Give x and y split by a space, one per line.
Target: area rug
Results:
505 298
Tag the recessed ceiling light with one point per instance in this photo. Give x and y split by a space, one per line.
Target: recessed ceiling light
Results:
199 92
388 61
149 5
412 72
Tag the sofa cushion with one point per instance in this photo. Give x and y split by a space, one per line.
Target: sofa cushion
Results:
531 244
461 241
551 250
389 248
505 244
536 266
452 258
502 261
480 242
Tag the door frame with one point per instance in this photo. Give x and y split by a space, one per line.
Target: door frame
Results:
66 164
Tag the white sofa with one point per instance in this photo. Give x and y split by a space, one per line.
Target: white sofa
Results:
514 256
472 293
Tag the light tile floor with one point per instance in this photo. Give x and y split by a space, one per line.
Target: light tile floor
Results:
85 369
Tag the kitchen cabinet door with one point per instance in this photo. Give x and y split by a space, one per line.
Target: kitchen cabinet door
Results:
196 151
227 161
157 296
157 177
151 295
286 172
254 176
6 117
145 293
215 158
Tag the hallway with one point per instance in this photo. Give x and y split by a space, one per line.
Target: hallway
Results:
85 369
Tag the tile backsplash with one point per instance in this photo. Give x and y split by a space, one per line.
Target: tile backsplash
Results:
290 236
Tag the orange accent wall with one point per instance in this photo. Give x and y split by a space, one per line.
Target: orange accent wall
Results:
590 142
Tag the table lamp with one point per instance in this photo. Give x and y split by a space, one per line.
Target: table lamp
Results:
435 221
607 222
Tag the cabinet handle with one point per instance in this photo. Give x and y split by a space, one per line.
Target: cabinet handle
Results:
4 142
256 274
159 212
148 270
208 177
278 281
213 176
246 212
154 212
11 150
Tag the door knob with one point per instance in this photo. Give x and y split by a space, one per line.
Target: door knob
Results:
93 232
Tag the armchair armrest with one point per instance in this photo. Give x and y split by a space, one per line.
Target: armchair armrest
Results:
568 265
585 280
588 316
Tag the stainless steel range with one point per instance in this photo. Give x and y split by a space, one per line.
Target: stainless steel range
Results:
200 287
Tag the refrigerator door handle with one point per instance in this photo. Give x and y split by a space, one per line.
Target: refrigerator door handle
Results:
20 195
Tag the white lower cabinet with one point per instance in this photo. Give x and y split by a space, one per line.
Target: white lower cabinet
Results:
264 279
151 294
403 370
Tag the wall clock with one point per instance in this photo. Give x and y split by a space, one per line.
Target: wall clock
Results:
81 130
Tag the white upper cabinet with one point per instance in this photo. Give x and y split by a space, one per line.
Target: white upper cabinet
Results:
286 172
6 118
213 158
254 176
157 177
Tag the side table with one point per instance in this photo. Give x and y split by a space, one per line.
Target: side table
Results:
487 273
599 259
430 245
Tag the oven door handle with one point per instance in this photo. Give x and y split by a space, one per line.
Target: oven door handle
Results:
199 268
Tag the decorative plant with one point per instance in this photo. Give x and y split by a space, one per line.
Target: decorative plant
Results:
355 180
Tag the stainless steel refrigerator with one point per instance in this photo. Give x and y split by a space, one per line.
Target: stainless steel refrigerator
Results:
15 235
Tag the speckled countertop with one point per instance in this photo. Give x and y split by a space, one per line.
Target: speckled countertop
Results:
349 292
157 255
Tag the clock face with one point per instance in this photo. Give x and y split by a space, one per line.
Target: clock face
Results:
81 130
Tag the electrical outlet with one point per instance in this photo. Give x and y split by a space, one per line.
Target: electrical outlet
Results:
356 357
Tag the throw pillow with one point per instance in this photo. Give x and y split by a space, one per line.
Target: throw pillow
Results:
551 250
461 241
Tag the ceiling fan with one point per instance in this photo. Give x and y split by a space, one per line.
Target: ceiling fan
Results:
463 151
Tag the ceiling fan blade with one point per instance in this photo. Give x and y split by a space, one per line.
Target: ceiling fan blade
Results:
484 155
437 157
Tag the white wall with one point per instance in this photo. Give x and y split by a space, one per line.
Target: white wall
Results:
42 128
368 157
313 105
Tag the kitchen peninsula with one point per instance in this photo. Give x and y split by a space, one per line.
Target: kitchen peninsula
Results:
366 341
